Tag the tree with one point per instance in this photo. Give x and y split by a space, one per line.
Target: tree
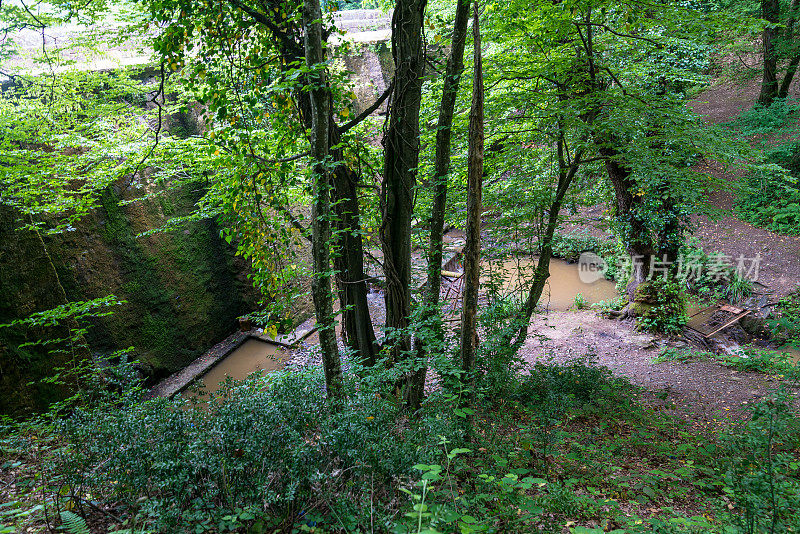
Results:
248 74
401 159
779 45
444 128
472 256
601 89
321 214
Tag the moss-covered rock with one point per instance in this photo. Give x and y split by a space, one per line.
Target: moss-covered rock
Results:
184 289
660 306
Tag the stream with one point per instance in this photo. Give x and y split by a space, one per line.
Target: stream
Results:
561 289
251 356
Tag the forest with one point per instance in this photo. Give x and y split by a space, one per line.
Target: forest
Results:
399 266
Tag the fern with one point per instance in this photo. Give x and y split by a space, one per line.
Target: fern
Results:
74 524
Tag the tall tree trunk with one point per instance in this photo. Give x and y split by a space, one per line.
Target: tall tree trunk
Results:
770 11
401 149
637 238
321 213
349 260
788 35
444 127
357 324
566 173
472 265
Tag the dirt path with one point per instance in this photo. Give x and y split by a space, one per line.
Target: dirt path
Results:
780 266
704 392
780 255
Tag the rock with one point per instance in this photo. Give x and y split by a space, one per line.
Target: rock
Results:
648 344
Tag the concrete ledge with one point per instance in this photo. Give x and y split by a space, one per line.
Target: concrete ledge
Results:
180 380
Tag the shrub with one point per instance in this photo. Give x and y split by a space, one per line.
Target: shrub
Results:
711 275
498 364
771 201
760 120
762 474
787 322
272 446
571 246
660 306
763 361
670 354
609 305
580 302
561 387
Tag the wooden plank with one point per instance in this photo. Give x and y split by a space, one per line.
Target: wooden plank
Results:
701 311
726 325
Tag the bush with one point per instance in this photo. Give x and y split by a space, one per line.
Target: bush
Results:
760 120
772 202
580 302
762 474
712 275
763 361
787 323
271 446
571 246
660 306
498 363
562 387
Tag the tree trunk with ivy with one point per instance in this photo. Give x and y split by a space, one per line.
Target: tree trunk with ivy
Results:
635 232
401 149
321 212
472 248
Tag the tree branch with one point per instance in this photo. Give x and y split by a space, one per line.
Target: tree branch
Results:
367 112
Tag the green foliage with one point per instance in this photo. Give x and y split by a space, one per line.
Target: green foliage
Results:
763 361
580 302
670 354
271 444
787 322
772 199
663 306
606 306
498 364
560 388
763 474
65 141
72 523
571 246
750 358
760 120
713 275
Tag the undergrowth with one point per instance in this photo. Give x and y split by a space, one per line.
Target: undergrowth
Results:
771 199
773 362
565 447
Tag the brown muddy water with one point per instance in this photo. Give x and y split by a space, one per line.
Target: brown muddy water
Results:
562 287
251 356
